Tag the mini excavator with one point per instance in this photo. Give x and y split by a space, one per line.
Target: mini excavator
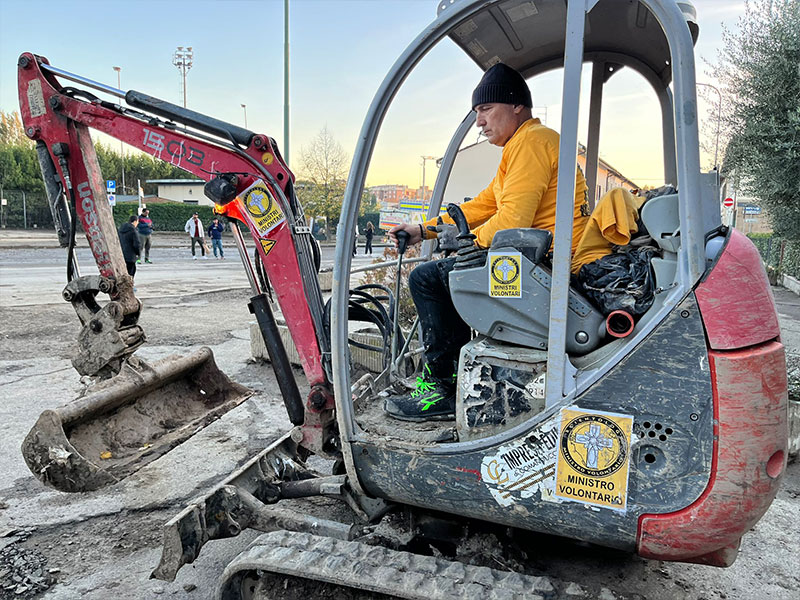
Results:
669 441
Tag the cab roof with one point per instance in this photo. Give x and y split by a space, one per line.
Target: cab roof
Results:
529 35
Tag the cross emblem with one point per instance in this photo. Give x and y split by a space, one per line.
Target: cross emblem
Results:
505 268
257 200
593 441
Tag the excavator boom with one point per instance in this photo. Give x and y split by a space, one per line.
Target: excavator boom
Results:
250 184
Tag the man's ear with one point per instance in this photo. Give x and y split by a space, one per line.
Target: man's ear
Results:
518 108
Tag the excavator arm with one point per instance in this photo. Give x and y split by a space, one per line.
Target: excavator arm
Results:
250 184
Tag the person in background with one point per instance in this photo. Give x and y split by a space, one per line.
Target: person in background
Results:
129 241
355 242
145 230
194 227
215 233
368 235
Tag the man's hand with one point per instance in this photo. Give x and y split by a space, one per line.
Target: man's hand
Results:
414 233
447 234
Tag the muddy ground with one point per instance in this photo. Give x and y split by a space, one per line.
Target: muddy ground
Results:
103 544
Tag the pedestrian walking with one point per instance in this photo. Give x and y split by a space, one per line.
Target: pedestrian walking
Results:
129 241
355 242
215 233
145 230
194 227
368 235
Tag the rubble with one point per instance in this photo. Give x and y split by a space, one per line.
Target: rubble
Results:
23 572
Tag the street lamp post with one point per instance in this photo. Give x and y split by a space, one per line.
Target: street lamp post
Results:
244 108
719 116
425 159
182 59
121 148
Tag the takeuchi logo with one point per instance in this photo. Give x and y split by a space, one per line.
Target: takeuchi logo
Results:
594 445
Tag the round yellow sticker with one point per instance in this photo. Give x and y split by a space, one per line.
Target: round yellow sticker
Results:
267 158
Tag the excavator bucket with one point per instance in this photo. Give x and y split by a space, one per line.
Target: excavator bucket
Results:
121 424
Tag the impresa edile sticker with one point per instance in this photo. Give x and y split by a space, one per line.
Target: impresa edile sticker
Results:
522 468
261 206
594 458
505 277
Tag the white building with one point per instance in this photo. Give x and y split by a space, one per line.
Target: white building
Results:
188 191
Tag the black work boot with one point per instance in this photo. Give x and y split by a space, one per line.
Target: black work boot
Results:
434 399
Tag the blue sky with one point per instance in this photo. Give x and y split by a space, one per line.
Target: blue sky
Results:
340 52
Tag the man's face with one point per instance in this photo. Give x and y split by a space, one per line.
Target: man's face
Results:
498 121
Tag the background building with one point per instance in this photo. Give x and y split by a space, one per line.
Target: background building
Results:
188 191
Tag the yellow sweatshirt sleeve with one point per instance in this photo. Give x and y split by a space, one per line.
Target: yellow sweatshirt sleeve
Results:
528 170
476 211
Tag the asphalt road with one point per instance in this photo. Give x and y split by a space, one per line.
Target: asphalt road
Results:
104 544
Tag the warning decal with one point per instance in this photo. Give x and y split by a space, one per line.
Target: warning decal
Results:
267 245
524 468
594 458
505 279
261 206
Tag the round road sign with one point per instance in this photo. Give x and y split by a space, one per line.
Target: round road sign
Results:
728 203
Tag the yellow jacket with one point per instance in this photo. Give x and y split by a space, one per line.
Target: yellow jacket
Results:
612 223
523 192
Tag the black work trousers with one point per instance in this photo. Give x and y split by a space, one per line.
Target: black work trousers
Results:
444 332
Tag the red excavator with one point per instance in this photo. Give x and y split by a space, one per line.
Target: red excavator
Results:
667 437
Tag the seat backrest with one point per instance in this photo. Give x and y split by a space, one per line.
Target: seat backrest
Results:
534 244
660 217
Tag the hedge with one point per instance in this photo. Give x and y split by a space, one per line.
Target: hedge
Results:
769 246
166 216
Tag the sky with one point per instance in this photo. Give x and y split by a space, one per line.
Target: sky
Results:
340 51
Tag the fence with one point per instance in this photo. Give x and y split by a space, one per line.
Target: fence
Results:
779 254
28 210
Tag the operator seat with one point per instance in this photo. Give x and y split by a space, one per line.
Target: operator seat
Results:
522 319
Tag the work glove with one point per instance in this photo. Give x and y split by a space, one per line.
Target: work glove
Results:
469 255
446 233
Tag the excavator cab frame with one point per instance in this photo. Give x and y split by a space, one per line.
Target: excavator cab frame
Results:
515 463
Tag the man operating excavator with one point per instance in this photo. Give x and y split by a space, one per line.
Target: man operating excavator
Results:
522 194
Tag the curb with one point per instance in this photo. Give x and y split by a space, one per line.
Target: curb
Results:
791 284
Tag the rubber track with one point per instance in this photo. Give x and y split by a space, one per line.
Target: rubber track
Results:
378 569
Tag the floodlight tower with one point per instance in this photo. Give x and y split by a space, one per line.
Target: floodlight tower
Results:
183 60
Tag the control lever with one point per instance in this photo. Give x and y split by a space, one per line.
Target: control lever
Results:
468 254
402 245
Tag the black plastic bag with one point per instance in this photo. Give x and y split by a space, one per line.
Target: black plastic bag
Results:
622 280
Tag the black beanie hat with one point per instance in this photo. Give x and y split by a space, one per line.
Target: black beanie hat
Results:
502 84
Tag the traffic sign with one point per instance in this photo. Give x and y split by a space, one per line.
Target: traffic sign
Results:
112 199
111 186
728 203
752 210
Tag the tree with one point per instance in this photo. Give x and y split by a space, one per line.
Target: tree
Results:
324 164
11 131
759 67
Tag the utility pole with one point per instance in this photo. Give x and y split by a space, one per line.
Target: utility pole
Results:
286 81
182 59
244 107
425 159
121 149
